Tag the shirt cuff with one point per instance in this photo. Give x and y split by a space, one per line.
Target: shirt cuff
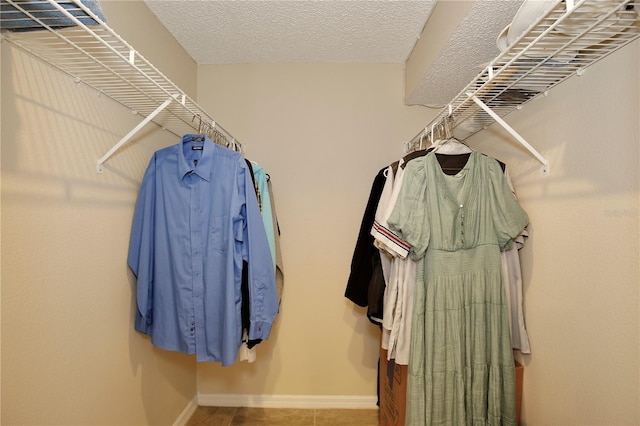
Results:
389 241
259 330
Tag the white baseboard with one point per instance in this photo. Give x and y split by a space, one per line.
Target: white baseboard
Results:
287 401
186 414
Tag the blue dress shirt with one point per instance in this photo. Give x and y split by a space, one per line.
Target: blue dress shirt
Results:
196 219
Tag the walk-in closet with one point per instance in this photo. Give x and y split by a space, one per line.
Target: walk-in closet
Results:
370 166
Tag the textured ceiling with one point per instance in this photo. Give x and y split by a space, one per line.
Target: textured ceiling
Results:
369 31
258 31
471 46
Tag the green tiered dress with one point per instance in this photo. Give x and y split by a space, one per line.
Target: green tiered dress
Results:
461 367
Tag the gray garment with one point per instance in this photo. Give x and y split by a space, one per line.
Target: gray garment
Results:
276 229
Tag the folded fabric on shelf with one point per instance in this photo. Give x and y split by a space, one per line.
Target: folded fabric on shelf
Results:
31 15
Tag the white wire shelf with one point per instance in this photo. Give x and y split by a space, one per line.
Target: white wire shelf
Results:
95 55
559 44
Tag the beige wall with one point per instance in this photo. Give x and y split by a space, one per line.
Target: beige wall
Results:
322 131
69 351
580 264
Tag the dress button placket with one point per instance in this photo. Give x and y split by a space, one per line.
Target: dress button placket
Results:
462 224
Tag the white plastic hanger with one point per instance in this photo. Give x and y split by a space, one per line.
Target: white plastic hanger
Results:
449 145
424 133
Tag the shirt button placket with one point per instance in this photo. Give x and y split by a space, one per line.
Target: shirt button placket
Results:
196 264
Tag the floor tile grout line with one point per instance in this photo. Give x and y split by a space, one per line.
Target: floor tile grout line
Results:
235 411
316 413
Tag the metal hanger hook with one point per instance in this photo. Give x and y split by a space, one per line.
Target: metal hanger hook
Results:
199 122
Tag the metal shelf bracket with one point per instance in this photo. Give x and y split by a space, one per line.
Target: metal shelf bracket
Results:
563 41
132 133
512 132
97 56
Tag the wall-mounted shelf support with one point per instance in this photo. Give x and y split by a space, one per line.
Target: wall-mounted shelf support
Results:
512 132
133 131
98 57
563 41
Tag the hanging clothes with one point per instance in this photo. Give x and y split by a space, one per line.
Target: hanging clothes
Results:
196 221
365 285
264 194
276 229
512 274
400 278
264 199
398 296
461 368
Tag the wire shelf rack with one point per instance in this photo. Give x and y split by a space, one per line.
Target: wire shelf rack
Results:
74 38
564 40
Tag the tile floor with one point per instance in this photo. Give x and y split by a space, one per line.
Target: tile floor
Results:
234 416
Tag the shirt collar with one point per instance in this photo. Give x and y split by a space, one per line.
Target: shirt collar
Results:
203 169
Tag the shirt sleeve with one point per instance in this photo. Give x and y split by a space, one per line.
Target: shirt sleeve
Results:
393 243
363 260
509 219
385 239
410 217
524 234
250 232
377 229
141 253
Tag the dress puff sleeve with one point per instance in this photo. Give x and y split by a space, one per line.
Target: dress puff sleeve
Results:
409 218
509 219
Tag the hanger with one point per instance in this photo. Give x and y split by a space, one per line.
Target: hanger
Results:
232 144
450 145
424 133
439 141
214 134
199 137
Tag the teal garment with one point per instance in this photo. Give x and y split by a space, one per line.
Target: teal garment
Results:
461 367
265 207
